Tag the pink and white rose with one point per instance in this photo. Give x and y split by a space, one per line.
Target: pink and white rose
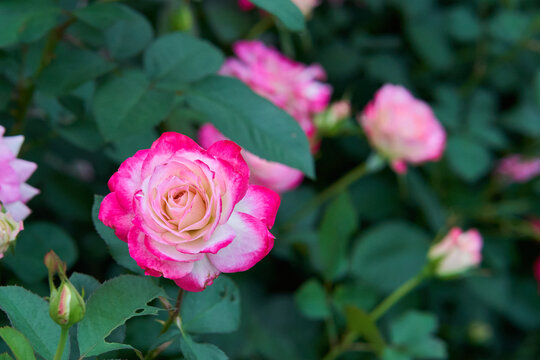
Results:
517 169
14 192
273 175
402 128
9 229
458 252
290 85
189 214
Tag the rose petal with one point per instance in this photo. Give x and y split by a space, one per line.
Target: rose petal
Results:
201 276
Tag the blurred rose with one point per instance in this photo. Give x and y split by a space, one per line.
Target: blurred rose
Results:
189 214
290 85
9 229
457 252
402 128
14 192
515 168
305 6
273 175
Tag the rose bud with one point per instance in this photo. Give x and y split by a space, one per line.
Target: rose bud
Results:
66 306
402 128
9 229
517 169
329 121
456 253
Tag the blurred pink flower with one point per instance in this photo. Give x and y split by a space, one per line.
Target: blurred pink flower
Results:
457 252
515 168
14 192
305 6
402 128
536 271
292 86
273 175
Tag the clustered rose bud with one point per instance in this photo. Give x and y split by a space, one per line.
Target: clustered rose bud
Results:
458 252
329 121
66 305
9 229
517 169
402 128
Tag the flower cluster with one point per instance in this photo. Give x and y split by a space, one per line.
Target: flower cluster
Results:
515 168
189 214
14 192
402 128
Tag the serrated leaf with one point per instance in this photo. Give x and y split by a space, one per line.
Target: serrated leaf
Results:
110 306
37 239
195 351
311 300
127 105
128 36
361 323
18 344
84 284
214 310
35 324
178 58
118 249
255 123
284 10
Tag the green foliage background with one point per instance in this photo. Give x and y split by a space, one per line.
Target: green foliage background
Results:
89 84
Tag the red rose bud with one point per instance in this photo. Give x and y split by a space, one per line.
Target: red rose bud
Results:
66 306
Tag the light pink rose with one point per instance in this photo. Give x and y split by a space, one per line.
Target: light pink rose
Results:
273 175
457 252
9 229
402 128
189 214
516 169
305 6
290 85
14 192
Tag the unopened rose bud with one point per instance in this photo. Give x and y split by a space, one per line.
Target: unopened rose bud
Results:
329 121
66 305
181 18
52 262
456 253
9 229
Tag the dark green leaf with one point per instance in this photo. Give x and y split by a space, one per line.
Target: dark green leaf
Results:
358 295
427 200
253 122
462 24
85 284
430 44
468 159
18 344
175 59
214 310
311 300
195 351
119 249
509 26
110 306
361 323
284 10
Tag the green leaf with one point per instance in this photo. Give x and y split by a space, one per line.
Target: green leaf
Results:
462 24
101 15
178 58
389 254
71 68
29 314
110 306
311 300
468 159
524 119
5 356
195 351
26 20
284 10
252 121
338 224
118 249
430 44
127 105
214 310
361 323
18 344
391 354
355 294
84 284
37 239
509 26
427 200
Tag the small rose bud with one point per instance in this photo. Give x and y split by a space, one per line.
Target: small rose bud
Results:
52 262
66 305
181 19
329 121
456 253
9 229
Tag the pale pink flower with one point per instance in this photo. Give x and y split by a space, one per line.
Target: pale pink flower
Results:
305 6
457 252
402 128
14 192
9 229
515 168
189 214
273 175
290 85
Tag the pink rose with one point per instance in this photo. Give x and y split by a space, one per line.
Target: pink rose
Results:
14 192
515 168
273 175
189 214
290 85
457 252
402 128
305 6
